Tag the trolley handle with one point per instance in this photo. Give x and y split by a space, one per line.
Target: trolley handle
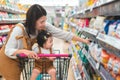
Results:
22 55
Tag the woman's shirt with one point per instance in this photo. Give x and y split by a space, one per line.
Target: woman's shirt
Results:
14 45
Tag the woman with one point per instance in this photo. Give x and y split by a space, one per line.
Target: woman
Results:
21 39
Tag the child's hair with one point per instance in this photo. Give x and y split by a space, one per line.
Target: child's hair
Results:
42 37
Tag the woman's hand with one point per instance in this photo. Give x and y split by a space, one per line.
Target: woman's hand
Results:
76 38
28 53
31 54
87 41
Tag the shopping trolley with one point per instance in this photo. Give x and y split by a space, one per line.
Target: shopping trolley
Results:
61 63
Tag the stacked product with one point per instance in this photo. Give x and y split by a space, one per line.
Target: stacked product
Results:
8 16
4 29
110 61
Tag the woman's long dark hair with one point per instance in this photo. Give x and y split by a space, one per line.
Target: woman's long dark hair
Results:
33 14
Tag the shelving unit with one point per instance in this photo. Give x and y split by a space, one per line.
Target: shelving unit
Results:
90 33
109 43
103 40
9 16
11 10
110 8
84 70
4 32
12 21
99 69
74 66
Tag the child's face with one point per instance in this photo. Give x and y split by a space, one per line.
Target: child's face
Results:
49 43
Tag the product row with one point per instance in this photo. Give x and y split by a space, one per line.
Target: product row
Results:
4 29
13 5
109 26
91 3
99 61
8 16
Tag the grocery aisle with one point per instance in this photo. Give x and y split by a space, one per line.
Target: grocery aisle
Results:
96 20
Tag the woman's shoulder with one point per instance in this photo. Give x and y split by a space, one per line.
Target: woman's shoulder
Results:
18 28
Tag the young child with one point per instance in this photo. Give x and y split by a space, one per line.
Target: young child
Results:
44 46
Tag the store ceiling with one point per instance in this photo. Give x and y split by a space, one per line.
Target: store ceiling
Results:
51 2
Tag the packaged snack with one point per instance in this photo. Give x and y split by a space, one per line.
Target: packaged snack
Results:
104 57
116 67
107 23
111 62
117 31
118 77
111 31
99 22
91 23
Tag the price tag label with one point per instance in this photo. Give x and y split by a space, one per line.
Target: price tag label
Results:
91 9
83 12
98 66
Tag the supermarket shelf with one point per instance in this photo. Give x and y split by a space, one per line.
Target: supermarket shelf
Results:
11 10
84 70
72 24
99 69
11 21
74 68
109 43
4 32
86 74
90 33
76 73
75 26
105 74
80 44
90 59
110 8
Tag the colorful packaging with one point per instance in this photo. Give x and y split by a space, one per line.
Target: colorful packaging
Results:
116 67
99 22
117 31
111 62
118 77
104 57
107 23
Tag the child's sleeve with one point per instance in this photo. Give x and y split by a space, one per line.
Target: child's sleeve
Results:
35 48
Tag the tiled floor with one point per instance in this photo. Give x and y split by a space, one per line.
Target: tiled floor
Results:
62 46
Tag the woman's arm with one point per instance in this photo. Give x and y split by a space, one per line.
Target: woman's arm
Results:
12 47
76 38
30 54
68 36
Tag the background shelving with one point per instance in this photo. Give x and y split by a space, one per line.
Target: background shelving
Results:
109 8
11 10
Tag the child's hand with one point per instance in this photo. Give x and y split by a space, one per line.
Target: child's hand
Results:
51 58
